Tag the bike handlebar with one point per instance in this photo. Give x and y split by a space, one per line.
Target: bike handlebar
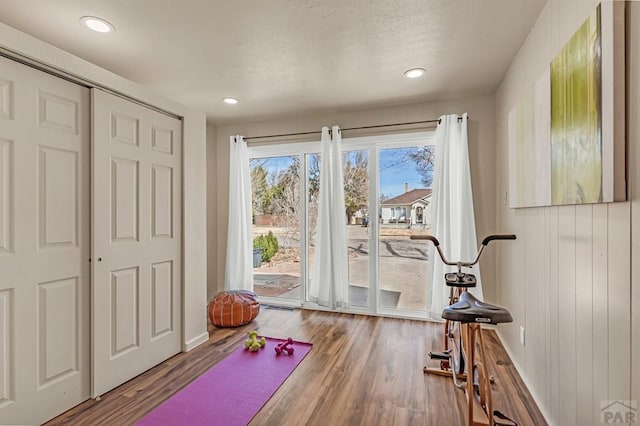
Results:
460 264
431 238
490 238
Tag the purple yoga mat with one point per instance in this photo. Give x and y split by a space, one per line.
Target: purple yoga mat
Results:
232 391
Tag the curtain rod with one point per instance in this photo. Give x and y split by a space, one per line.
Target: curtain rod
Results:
346 129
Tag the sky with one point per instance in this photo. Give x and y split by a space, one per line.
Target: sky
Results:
395 171
275 165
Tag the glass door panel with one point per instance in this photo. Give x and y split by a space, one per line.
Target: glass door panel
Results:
404 176
356 199
356 192
313 190
275 183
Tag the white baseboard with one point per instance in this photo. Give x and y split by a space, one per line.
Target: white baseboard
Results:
195 342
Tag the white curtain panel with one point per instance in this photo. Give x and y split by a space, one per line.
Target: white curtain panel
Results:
453 220
239 267
330 273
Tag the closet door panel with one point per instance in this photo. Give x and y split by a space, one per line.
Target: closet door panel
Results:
136 240
44 244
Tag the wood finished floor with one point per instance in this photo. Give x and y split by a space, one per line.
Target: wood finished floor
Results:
361 371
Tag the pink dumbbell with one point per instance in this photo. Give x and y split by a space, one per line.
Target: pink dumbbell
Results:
285 346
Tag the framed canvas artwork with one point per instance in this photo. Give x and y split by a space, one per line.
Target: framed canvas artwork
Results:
566 133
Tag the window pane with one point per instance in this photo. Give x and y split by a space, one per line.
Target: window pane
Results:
405 177
313 189
356 200
275 183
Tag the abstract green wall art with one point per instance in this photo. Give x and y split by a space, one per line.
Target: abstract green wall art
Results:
576 112
567 131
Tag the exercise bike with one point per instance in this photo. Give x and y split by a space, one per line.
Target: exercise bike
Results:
463 357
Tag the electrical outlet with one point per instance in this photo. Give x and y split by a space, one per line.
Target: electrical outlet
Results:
522 335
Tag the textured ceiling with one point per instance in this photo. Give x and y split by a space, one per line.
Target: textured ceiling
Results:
288 57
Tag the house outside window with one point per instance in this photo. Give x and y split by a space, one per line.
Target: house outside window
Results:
416 201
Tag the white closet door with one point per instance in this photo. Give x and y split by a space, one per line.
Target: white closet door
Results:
136 297
44 244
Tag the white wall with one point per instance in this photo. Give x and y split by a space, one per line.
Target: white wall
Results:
567 279
212 212
194 167
633 177
481 150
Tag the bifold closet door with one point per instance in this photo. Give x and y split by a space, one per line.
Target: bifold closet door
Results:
136 292
44 244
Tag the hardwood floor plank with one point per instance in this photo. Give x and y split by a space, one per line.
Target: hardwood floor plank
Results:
361 370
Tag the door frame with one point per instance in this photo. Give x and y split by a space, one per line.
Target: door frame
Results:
373 144
285 150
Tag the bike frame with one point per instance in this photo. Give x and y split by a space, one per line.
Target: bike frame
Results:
468 341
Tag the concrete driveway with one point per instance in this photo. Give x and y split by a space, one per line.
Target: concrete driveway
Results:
402 269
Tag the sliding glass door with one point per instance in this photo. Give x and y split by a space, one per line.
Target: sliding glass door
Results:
404 195
356 201
387 189
276 211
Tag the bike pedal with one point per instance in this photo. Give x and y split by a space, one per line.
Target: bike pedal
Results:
440 355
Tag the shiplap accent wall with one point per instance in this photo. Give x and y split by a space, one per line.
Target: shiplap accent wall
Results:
568 277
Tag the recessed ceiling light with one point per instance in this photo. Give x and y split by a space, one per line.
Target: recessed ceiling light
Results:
229 100
97 24
414 73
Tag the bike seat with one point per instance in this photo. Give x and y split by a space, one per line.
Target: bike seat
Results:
470 309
